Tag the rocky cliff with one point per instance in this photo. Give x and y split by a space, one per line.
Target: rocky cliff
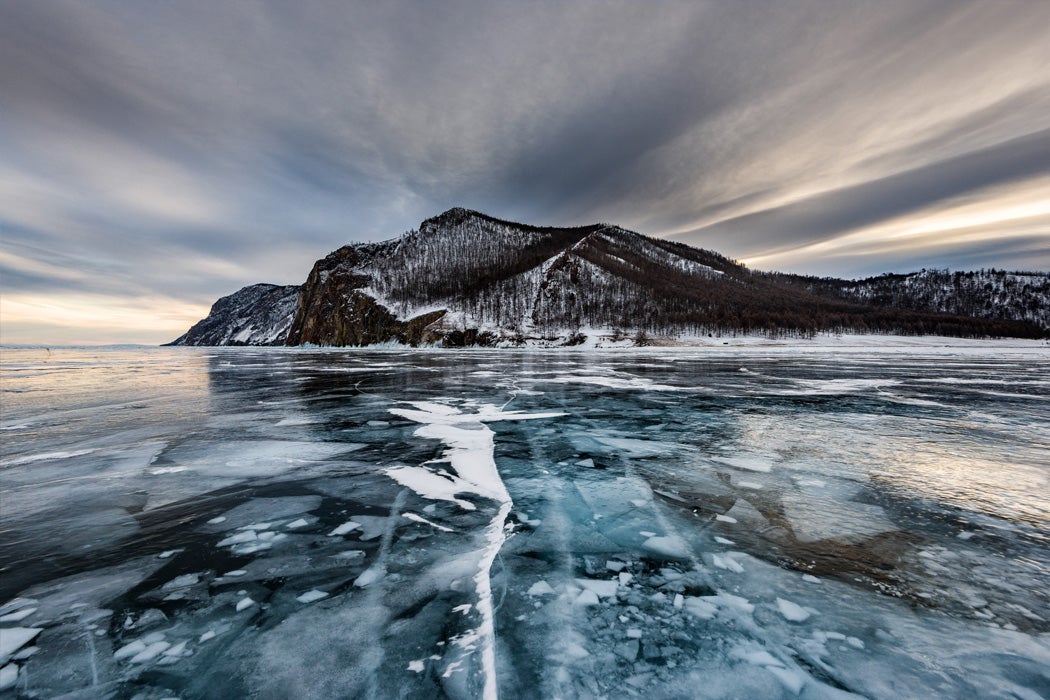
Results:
257 315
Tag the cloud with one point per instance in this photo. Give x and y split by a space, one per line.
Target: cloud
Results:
825 215
182 150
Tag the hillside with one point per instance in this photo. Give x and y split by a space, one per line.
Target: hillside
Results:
467 278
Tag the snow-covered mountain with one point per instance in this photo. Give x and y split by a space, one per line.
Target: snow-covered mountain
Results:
467 278
986 293
257 315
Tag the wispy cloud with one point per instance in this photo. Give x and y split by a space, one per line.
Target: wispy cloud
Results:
172 152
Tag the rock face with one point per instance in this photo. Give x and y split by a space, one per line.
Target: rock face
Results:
464 278
333 310
257 315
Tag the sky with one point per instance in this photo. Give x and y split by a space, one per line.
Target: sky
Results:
157 155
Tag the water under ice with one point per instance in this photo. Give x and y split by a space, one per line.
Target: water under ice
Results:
720 523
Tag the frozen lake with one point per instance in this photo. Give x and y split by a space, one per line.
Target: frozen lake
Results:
707 523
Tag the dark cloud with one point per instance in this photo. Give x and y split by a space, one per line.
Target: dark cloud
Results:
183 149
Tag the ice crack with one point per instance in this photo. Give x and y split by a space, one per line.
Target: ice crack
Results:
471 454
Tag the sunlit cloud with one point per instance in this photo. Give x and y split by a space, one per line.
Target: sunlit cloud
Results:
1020 211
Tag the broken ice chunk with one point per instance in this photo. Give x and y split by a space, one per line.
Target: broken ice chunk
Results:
699 607
723 540
634 633
151 652
129 650
216 521
311 596
792 612
587 597
668 546
810 578
8 676
256 526
183 581
726 563
26 652
725 518
420 519
168 554
14 638
251 547
602 589
753 654
729 600
210 634
416 666
350 554
244 604
239 538
540 588
295 524
370 576
753 463
346 527
17 604
17 616
176 650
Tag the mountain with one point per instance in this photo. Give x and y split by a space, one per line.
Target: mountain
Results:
999 294
464 278
257 315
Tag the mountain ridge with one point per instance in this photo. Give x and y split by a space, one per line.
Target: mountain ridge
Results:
464 277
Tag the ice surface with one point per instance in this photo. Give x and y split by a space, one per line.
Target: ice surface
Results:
826 524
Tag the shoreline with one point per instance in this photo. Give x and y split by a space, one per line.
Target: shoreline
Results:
842 342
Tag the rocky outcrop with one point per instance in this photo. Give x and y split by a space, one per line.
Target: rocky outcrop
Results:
260 314
332 309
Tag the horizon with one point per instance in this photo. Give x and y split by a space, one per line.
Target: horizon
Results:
148 166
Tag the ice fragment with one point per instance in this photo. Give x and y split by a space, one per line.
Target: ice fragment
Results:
792 612
311 596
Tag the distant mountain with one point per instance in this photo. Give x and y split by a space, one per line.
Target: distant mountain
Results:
257 315
995 294
464 278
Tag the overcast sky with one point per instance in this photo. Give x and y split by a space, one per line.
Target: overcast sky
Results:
157 155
